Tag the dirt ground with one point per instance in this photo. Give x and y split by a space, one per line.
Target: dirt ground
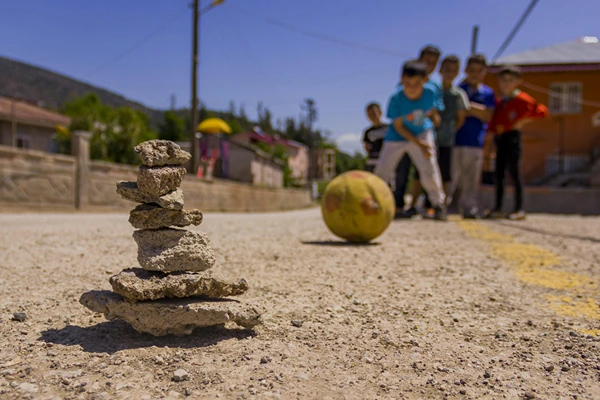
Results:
457 310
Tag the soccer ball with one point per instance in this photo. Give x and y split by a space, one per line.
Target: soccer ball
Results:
358 206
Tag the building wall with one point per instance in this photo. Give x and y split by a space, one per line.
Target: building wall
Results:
5 138
32 180
542 138
298 162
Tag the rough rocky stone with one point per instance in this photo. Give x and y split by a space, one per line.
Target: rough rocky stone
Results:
130 191
158 181
171 250
173 316
149 216
181 375
161 152
136 284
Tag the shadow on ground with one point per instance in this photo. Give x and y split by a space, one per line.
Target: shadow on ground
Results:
113 336
339 243
549 233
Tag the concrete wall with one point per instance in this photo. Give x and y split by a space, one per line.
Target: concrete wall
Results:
36 180
584 201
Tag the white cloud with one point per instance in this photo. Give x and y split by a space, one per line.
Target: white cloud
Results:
350 142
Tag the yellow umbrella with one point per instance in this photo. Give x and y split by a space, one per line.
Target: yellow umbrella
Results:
214 126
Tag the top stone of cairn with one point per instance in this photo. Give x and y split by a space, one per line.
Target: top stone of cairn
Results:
156 153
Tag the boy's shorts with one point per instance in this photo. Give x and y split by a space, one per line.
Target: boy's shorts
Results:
444 156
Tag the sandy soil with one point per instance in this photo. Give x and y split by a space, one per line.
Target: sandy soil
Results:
433 310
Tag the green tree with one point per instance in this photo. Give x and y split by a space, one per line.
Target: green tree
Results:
172 128
114 131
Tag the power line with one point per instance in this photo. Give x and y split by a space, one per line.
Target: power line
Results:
321 36
515 30
139 43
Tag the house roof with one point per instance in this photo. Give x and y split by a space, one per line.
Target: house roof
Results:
29 114
585 50
273 140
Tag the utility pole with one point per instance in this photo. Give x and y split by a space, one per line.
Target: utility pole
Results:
474 39
194 106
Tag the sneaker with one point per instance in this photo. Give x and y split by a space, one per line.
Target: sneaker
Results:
401 214
411 212
471 214
494 214
440 214
517 215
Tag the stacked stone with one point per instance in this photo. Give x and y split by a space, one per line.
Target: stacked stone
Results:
173 292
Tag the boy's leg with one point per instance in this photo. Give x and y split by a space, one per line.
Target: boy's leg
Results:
429 171
456 172
402 171
445 163
501 153
473 163
389 156
513 161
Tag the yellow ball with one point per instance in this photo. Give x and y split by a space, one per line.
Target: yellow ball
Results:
358 206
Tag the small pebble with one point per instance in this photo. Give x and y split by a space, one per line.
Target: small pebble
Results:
487 374
297 323
19 316
530 395
265 359
550 368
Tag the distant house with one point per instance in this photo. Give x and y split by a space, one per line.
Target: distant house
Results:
560 150
28 126
298 153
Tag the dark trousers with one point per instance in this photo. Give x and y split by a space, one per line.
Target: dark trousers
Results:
402 171
508 157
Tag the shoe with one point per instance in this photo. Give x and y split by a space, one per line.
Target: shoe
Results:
471 214
411 212
517 215
494 214
401 214
440 214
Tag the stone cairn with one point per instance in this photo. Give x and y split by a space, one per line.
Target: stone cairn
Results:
173 292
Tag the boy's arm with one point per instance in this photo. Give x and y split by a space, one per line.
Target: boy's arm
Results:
461 116
463 108
436 118
406 134
481 112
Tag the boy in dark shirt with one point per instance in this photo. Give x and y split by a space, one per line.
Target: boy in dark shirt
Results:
373 136
513 110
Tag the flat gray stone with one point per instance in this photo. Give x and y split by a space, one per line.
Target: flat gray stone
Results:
173 316
171 250
149 216
130 191
157 152
136 284
158 181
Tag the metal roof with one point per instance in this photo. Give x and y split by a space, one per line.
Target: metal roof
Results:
585 50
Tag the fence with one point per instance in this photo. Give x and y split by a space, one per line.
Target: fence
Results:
38 180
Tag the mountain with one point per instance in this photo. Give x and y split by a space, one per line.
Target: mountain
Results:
52 90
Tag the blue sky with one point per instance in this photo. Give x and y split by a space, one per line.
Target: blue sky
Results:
247 60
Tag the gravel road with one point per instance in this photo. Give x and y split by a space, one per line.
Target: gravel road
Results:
457 310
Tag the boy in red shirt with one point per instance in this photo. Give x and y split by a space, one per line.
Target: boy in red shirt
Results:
513 110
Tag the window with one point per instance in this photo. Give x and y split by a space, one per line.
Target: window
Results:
23 141
565 98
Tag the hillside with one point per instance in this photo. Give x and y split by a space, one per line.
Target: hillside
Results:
51 90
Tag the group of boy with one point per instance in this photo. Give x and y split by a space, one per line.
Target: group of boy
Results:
441 129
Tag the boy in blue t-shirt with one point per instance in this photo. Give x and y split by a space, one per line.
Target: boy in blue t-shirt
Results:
413 109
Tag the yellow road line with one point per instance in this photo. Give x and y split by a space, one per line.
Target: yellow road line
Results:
537 266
